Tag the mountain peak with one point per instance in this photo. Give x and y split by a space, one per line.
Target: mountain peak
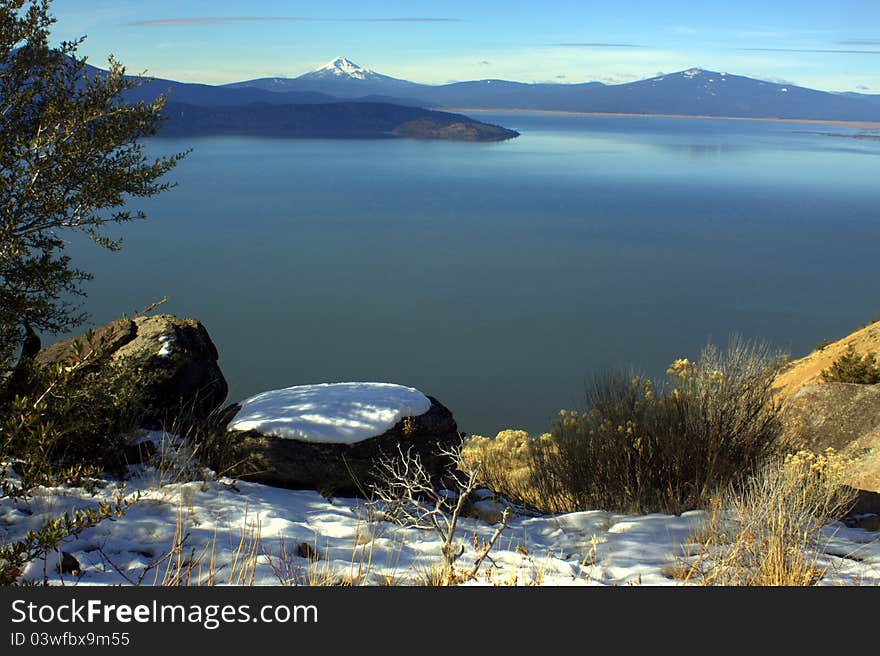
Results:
694 72
342 66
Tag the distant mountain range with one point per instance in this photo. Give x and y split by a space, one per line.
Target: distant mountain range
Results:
694 92
343 99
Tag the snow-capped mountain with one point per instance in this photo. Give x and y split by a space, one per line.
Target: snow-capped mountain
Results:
698 91
342 67
694 91
339 77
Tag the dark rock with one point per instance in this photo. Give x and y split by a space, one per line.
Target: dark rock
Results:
869 523
19 381
67 564
305 550
349 469
866 502
174 358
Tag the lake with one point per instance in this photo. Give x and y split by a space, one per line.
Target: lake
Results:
500 277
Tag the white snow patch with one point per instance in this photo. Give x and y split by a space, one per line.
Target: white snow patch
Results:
338 413
166 341
341 66
784 90
692 72
582 548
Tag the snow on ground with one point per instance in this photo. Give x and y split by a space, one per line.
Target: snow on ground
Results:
219 522
331 412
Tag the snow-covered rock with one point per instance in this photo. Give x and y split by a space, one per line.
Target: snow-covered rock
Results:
329 437
339 413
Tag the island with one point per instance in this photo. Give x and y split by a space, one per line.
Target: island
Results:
338 120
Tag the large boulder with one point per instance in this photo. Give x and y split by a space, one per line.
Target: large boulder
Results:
331 437
844 417
174 358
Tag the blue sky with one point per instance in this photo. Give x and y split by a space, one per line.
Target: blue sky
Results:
832 45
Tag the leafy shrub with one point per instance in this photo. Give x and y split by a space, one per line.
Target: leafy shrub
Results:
79 412
68 425
853 368
641 449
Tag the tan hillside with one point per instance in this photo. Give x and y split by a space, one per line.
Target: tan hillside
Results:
808 370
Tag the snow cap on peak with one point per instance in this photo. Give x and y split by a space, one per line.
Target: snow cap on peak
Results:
344 66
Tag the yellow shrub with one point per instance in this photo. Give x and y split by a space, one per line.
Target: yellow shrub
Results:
505 463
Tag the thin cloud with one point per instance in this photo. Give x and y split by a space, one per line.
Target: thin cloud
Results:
859 42
821 51
596 45
223 20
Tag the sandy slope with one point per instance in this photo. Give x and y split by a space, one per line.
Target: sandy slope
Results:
808 370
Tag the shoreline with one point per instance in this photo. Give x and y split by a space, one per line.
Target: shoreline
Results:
859 125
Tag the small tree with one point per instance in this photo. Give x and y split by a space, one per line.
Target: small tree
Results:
853 368
70 156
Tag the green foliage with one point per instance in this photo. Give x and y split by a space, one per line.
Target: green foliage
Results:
69 428
70 157
853 368
76 413
15 556
640 449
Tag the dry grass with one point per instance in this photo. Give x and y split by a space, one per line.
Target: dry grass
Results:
770 532
184 566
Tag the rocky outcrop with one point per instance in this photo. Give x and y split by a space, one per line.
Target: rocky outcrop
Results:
347 469
844 417
174 358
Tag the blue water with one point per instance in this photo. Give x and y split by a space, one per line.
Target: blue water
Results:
500 277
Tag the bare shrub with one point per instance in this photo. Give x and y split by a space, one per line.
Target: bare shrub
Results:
406 494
